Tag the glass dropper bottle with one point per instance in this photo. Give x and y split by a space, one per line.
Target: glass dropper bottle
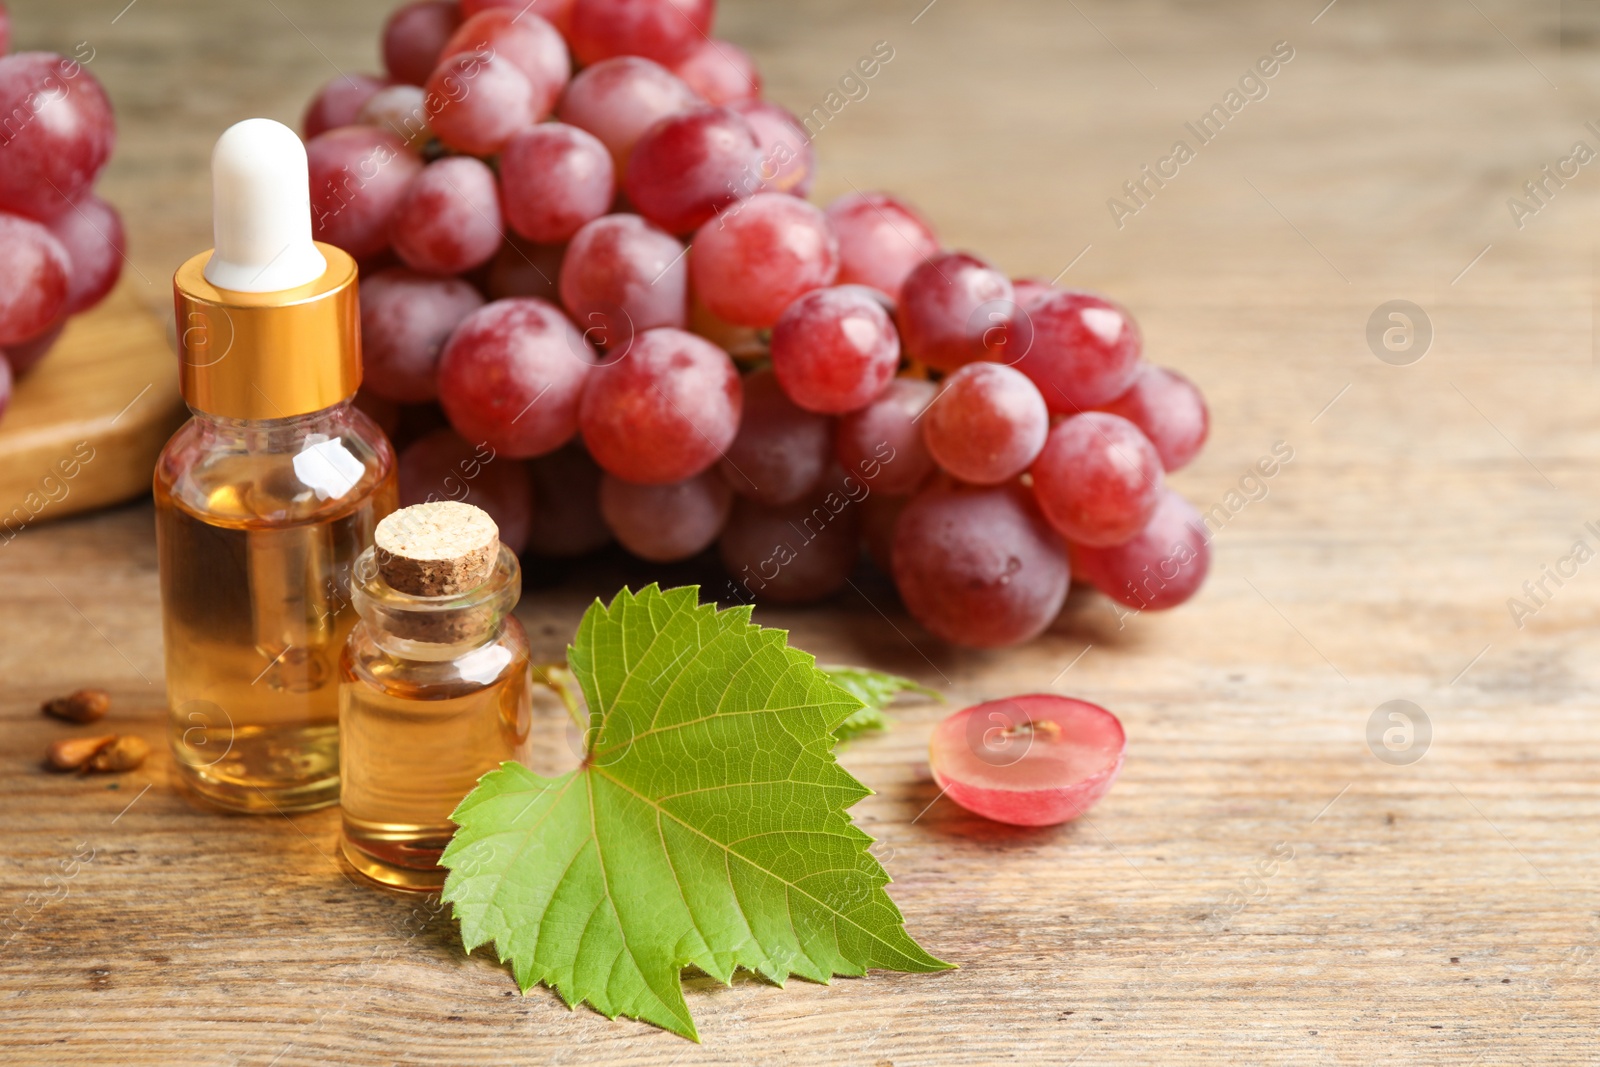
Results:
265 498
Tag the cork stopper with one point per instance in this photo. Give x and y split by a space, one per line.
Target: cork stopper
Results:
440 549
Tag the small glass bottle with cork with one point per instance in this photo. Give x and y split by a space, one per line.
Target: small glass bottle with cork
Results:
437 686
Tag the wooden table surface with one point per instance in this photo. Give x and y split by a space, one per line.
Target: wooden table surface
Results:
1260 887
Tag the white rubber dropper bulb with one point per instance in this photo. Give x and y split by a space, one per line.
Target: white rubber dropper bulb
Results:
261 210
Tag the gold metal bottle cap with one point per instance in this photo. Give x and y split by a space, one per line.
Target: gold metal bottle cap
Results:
268 355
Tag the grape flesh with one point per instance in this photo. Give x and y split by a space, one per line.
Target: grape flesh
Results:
781 451
979 566
952 309
522 268
338 103
91 233
406 318
986 425
566 489
445 466
882 442
622 276
882 240
1098 479
477 102
834 350
788 163
664 523
1080 349
663 30
1035 760
617 100
688 167
35 279
531 44
448 218
797 553
749 265
1160 567
555 179
665 410
414 37
358 176
720 72
1171 411
512 374
58 133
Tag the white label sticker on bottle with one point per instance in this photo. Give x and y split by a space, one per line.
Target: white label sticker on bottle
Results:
327 468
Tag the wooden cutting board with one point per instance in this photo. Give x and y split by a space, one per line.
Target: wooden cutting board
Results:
84 427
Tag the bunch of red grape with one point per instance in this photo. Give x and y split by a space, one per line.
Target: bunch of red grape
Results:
60 245
584 235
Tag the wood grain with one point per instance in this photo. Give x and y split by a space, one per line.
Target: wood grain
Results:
1437 913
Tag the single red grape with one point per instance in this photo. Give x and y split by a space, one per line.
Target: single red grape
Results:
881 240
882 442
617 100
555 178
797 553
781 451
358 176
405 320
445 466
835 349
952 310
788 163
720 71
338 103
1171 411
477 102
1080 349
24 355
448 218
750 264
35 279
414 38
688 167
979 566
512 374
1035 760
533 45
92 235
1098 479
566 489
522 268
986 425
57 134
664 411
622 276
1160 567
662 30
663 523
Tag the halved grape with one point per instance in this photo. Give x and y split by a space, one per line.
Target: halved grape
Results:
339 102
882 240
1171 411
750 264
781 451
1035 760
57 134
687 168
1160 567
35 279
92 235
720 71
555 178
952 308
788 163
617 100
662 30
986 425
533 45
1098 479
979 566
358 175
414 37
567 521
406 318
622 276
663 523
445 466
663 411
1080 349
512 374
522 268
797 553
882 443
476 103
448 217
835 349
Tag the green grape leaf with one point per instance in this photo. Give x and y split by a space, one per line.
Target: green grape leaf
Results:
706 825
875 689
